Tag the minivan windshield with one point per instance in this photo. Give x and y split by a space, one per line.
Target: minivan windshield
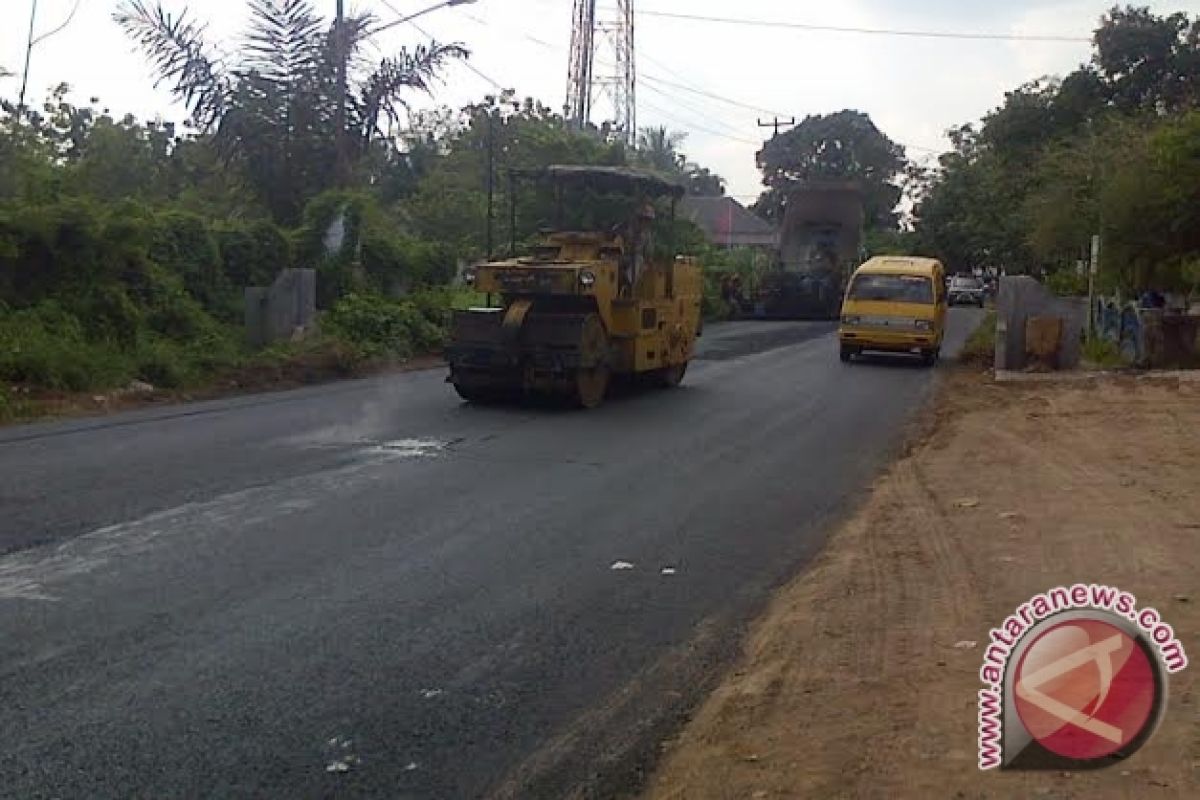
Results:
893 288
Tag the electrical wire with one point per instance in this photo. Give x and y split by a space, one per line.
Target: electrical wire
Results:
650 81
465 62
914 34
698 126
60 28
758 109
671 116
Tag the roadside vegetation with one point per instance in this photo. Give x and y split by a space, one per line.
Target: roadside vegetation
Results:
980 347
1111 148
1100 353
126 245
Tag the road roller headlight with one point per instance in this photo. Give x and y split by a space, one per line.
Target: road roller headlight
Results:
470 276
587 279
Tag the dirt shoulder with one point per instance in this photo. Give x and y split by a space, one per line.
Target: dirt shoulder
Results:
852 684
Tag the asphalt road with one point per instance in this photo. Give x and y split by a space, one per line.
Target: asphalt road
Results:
234 598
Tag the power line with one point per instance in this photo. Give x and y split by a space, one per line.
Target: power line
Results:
700 113
62 27
465 62
649 80
697 126
712 96
916 34
739 104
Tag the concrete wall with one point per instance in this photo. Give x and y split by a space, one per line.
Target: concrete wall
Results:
288 306
1021 298
1149 338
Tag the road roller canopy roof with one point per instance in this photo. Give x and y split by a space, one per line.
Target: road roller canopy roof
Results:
616 180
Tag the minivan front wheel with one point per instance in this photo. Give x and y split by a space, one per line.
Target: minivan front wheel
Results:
848 352
929 357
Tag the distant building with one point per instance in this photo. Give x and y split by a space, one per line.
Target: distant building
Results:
727 223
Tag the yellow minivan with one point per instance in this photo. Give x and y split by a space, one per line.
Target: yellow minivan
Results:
895 305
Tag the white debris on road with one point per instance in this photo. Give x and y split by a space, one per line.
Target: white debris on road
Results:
341 760
669 571
621 566
410 448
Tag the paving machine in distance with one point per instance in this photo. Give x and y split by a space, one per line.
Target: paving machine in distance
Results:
602 294
820 244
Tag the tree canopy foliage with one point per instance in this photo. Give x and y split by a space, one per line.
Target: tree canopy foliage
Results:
126 245
658 149
276 110
1109 149
844 146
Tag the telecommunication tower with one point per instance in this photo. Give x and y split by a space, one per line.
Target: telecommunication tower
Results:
612 37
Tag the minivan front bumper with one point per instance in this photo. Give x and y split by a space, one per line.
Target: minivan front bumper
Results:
889 341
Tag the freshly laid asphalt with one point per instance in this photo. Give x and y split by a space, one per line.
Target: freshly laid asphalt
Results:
371 589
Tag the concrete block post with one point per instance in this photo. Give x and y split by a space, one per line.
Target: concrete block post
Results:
277 313
1022 298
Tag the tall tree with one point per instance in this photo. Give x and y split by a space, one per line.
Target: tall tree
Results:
274 112
844 146
658 148
1150 62
1060 160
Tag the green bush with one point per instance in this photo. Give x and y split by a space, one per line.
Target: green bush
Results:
1102 353
110 315
163 364
183 245
375 257
10 405
1067 283
253 254
380 327
45 346
713 306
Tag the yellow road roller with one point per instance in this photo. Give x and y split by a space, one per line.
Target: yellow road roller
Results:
600 294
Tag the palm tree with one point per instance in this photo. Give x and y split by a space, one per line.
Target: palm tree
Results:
658 148
275 112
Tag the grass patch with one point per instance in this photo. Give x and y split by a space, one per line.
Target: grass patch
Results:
15 405
1103 354
980 348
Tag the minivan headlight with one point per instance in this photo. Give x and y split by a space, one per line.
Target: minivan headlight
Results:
924 324
850 319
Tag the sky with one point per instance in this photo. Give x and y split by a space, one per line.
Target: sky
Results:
914 88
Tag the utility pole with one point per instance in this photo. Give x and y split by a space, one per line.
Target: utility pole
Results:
340 47
491 180
1093 271
28 56
777 123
